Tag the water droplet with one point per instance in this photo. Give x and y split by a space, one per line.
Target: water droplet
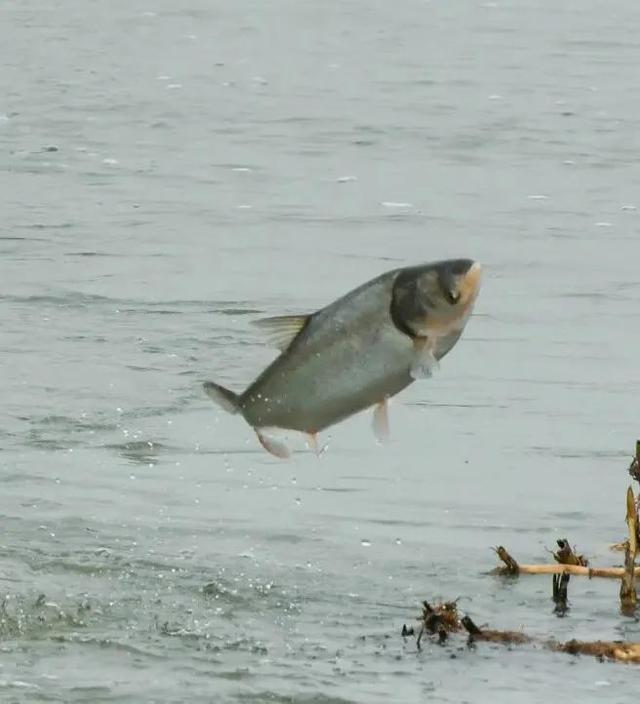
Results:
365 543
398 541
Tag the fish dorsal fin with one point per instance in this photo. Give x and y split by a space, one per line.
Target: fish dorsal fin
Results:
281 330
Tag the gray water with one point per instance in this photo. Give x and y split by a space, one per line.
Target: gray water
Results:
172 171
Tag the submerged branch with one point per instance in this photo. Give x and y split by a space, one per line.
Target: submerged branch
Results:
448 620
511 567
628 594
566 555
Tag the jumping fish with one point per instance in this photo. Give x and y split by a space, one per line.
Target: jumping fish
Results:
356 352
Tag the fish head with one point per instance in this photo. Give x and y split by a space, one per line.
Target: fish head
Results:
435 299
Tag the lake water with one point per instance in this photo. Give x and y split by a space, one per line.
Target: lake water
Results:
172 171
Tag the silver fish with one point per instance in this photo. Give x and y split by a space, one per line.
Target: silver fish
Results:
356 352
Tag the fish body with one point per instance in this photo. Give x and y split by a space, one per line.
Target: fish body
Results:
358 351
328 373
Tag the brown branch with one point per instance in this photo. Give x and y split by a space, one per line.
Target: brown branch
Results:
506 637
566 555
607 572
610 650
628 594
634 467
511 566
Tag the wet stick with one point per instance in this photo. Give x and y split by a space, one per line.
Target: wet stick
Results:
559 594
634 467
511 567
628 595
567 556
606 572
609 650
448 622
634 472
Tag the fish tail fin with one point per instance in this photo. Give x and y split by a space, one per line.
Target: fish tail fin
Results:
226 399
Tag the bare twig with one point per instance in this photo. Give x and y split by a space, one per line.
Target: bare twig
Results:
634 467
559 593
567 556
611 650
628 595
511 566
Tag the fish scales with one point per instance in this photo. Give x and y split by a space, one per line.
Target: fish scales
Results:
348 357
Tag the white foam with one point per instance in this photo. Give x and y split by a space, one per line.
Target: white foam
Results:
393 204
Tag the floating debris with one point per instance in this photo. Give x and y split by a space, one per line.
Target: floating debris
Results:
628 594
566 556
444 618
559 594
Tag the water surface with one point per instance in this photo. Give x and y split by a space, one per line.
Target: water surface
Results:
171 172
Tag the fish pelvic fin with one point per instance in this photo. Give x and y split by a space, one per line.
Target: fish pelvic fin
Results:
380 421
272 444
424 361
225 398
282 330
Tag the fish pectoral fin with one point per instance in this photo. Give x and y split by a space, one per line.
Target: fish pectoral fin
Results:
424 362
381 421
282 330
271 444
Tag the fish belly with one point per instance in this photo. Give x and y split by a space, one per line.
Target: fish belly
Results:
313 388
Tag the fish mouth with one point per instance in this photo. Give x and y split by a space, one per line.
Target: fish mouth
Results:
469 283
